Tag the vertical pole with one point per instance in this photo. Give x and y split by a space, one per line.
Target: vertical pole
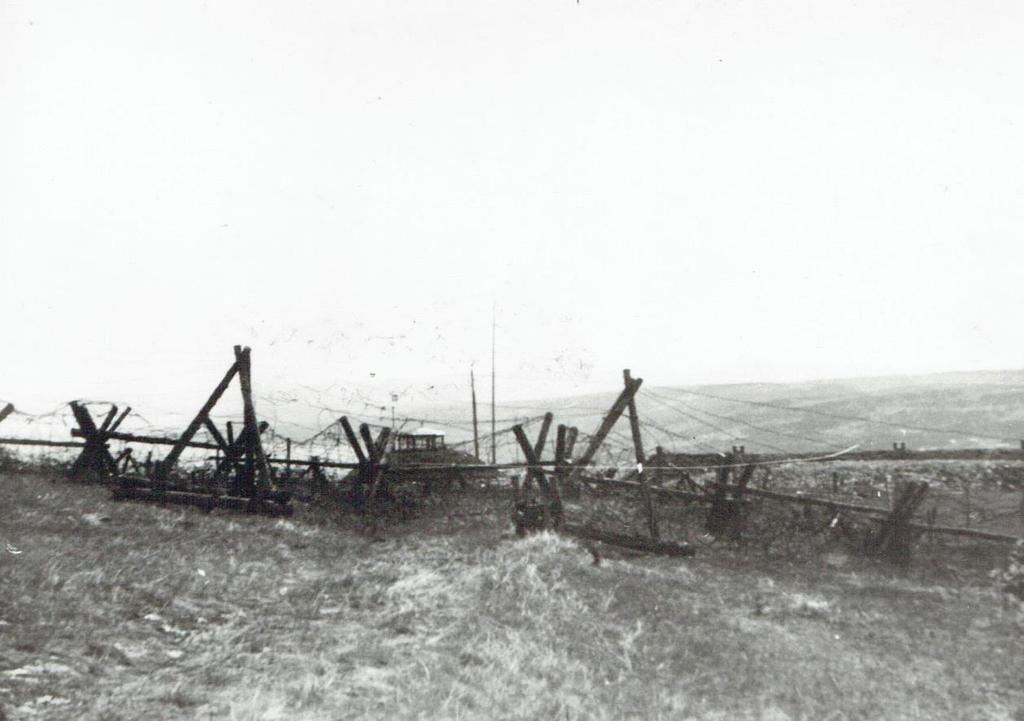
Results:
638 447
243 359
288 458
967 504
559 474
494 425
476 432
659 464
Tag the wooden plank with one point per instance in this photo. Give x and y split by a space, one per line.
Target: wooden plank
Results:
171 459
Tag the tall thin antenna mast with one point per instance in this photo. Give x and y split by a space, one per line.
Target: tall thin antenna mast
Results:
494 427
476 433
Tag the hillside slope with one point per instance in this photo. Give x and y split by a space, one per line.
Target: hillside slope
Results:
947 410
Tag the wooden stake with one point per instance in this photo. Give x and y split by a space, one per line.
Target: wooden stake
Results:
244 364
476 432
638 448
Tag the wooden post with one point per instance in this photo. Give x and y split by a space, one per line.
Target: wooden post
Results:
560 438
570 442
476 432
288 458
967 503
243 363
375 449
638 447
538 450
6 411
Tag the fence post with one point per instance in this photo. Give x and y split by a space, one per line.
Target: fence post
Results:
638 448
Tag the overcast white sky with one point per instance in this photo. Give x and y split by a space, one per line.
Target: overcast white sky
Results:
701 191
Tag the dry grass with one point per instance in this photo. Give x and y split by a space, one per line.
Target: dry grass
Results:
123 611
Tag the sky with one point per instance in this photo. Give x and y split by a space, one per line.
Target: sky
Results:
702 192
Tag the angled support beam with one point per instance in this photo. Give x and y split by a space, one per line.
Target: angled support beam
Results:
165 466
607 424
353 441
371 446
120 419
538 448
6 411
111 414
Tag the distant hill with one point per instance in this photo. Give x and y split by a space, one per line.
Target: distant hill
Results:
983 409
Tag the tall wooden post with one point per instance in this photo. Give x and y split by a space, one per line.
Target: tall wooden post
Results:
476 432
638 447
244 364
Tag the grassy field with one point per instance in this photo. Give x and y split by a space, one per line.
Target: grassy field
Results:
124 611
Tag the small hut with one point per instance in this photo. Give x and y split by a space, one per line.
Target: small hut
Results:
419 440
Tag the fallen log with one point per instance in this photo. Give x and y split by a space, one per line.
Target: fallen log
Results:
268 506
638 543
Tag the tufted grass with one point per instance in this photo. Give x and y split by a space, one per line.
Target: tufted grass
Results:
118 611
